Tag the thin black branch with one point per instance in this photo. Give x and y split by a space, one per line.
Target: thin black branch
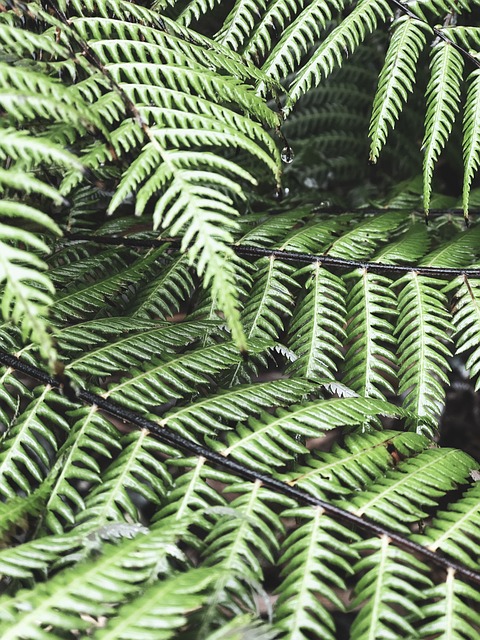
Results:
332 209
292 256
169 437
438 32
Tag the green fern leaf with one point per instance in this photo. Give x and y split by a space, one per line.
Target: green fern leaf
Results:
134 471
28 444
237 545
370 361
396 79
393 578
443 97
466 319
456 531
449 612
317 325
347 35
413 486
471 137
239 23
422 335
298 38
214 413
91 438
161 610
352 466
91 588
167 377
315 557
274 439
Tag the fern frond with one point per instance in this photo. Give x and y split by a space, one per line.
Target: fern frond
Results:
301 34
393 579
28 444
24 560
315 557
347 35
90 588
193 496
471 137
396 79
134 350
273 439
443 97
361 459
91 438
361 241
370 360
238 545
422 335
456 531
161 610
449 612
279 13
165 377
240 22
466 319
270 299
135 471
413 486
218 411
317 325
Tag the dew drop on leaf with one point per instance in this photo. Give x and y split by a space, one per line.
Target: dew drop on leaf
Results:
287 155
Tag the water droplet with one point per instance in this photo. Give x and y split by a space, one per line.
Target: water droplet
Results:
287 155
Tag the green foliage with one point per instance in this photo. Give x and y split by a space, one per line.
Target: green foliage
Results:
286 362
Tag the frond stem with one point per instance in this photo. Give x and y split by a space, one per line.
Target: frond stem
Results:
292 256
